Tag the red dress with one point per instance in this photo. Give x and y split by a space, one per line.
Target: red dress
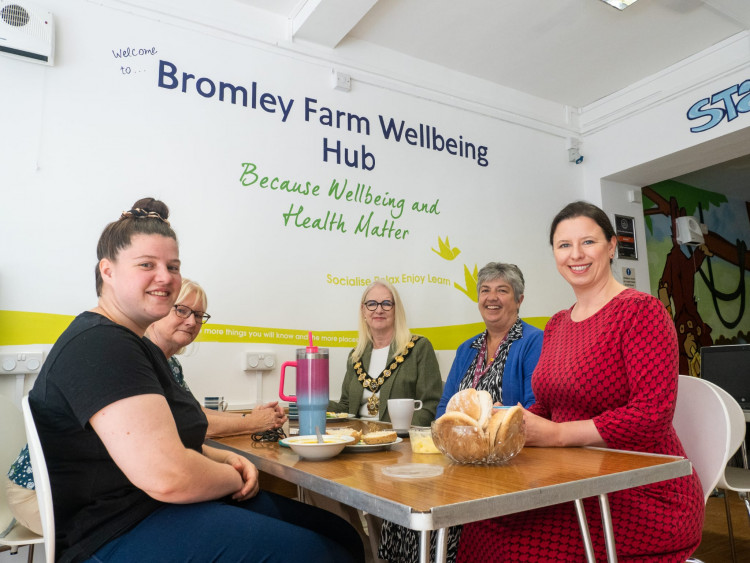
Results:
619 368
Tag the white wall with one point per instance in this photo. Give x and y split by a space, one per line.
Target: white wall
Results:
81 141
85 140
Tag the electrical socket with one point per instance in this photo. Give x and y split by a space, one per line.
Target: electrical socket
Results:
259 361
21 362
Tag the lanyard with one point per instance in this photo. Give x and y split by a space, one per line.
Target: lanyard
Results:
480 370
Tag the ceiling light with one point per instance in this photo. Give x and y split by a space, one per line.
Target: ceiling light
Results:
619 4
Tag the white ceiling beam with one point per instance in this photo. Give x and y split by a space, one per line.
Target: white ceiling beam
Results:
326 22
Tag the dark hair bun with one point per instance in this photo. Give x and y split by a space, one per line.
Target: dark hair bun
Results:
152 205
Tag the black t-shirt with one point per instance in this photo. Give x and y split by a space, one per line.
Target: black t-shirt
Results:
94 363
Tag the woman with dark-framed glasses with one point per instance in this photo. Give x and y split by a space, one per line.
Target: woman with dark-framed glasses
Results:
179 329
389 362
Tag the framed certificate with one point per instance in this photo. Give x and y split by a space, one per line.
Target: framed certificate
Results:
625 231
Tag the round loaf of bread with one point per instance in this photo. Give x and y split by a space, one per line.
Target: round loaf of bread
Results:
506 434
476 404
458 436
467 402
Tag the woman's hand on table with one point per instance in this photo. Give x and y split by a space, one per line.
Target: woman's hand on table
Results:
268 416
542 432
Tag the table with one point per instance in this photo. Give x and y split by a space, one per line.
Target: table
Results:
535 478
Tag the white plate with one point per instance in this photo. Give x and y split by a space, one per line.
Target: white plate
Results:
362 448
413 470
335 418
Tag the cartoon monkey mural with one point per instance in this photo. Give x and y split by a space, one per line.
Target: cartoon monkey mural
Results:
677 283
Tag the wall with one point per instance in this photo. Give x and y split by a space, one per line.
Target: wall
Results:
95 132
642 135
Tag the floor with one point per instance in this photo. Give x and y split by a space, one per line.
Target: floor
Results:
714 547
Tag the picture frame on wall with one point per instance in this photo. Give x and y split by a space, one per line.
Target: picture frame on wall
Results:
625 231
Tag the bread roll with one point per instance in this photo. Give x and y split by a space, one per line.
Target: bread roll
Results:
345 431
485 406
476 404
467 402
509 436
461 437
380 437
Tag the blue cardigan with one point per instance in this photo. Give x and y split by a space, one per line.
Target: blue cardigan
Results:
522 358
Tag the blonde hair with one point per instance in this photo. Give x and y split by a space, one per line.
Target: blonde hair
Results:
401 332
190 287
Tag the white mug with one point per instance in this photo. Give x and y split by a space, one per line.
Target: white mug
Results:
215 403
401 412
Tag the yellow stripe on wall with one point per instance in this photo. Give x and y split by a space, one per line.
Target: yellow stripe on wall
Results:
23 328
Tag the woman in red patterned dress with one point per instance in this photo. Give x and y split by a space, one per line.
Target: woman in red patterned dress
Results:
607 377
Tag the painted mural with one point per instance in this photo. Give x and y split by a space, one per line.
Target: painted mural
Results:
702 285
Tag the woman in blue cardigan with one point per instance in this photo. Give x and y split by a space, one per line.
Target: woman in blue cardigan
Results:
499 360
502 358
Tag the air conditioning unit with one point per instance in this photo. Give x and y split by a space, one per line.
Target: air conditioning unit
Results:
27 32
689 231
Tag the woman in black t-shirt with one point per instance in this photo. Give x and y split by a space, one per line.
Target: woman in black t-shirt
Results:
131 478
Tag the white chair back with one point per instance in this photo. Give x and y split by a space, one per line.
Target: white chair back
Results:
14 438
702 422
738 427
41 480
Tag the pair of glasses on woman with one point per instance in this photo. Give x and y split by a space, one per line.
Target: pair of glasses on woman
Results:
372 305
184 312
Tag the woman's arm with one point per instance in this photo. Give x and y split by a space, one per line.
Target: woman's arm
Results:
429 386
650 354
243 466
141 437
342 405
262 418
545 433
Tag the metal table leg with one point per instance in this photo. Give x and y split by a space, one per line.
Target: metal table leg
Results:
424 546
585 536
609 534
441 545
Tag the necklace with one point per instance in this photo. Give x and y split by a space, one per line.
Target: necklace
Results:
374 384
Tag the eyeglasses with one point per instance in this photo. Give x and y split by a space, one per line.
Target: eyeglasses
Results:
372 305
185 312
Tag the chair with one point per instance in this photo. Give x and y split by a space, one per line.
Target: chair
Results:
702 420
735 479
12 534
704 417
41 480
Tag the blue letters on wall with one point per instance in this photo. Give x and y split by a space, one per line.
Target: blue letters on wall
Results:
725 106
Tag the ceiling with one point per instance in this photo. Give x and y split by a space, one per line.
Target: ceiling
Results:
572 52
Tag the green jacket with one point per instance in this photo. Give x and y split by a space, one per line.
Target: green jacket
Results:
417 378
